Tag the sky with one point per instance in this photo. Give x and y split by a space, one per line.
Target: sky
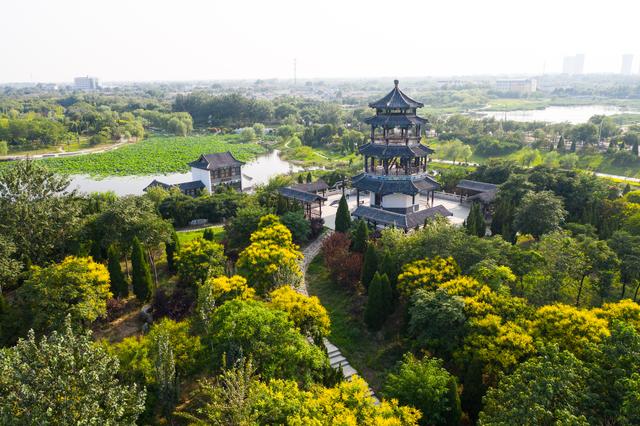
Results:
158 40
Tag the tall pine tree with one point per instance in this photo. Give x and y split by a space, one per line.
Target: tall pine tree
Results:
369 265
475 223
140 274
119 285
378 301
343 217
309 178
172 247
387 265
561 147
361 237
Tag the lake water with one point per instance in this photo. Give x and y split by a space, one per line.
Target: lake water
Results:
558 114
254 173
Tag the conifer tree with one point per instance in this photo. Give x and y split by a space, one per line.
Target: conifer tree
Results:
208 234
627 189
561 144
573 146
343 216
300 178
634 148
361 237
377 310
369 265
141 274
172 248
309 178
119 286
475 223
387 265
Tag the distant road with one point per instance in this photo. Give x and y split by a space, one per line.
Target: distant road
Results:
604 175
66 154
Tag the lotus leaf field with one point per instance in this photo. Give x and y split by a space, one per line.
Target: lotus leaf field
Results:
155 155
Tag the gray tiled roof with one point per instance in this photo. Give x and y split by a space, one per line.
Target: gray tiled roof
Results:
396 99
319 185
216 161
472 185
404 221
393 120
183 186
386 185
395 150
296 194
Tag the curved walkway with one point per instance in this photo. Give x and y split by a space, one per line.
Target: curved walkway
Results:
336 359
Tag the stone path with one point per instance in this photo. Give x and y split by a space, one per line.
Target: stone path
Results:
336 359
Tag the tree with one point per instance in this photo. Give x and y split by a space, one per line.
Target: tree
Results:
248 134
547 389
369 265
9 267
271 260
259 129
208 234
361 237
306 312
172 248
140 272
239 328
344 266
561 147
437 321
64 378
298 225
343 216
4 149
309 177
119 285
426 273
475 223
200 259
300 178
427 386
379 301
539 213
37 212
238 229
77 287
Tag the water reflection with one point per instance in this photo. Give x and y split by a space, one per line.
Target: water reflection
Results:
254 173
557 114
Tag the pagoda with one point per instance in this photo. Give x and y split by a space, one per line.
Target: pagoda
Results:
395 166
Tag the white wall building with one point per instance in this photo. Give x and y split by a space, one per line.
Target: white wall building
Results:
86 83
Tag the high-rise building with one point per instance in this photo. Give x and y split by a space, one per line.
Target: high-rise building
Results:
573 65
86 83
627 63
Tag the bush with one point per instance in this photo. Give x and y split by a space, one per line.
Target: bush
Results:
298 225
343 265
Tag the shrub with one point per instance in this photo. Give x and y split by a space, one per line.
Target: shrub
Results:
378 302
343 265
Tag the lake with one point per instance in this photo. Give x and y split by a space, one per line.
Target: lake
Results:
557 114
254 173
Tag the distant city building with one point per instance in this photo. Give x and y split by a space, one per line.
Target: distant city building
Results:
627 63
521 85
573 65
86 83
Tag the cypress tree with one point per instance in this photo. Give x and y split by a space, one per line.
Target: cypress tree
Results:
361 237
455 413
387 265
300 178
475 223
309 178
369 265
561 144
573 146
343 217
119 286
172 247
627 189
376 309
634 148
141 274
208 234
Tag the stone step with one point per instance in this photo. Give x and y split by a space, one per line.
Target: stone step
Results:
333 352
348 371
338 360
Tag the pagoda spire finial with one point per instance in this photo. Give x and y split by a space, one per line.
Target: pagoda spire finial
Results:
396 83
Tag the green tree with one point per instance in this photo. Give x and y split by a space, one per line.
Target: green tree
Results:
475 223
64 379
140 274
4 149
343 216
309 177
248 134
208 234
9 266
544 390
298 225
166 378
78 287
539 213
361 237
300 178
37 212
379 301
427 386
119 285
200 259
238 328
369 265
238 229
172 248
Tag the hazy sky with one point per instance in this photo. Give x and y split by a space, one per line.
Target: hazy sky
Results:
116 40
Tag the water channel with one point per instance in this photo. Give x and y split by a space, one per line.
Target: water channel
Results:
256 172
557 114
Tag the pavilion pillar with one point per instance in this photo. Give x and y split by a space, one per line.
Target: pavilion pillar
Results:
357 197
366 164
433 191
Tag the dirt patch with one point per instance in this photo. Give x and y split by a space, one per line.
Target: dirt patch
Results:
129 323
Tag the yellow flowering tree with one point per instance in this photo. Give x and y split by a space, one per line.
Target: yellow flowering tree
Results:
572 329
426 273
307 313
215 291
624 310
77 286
271 260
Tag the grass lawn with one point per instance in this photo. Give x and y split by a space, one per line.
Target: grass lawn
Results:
371 354
186 236
155 155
